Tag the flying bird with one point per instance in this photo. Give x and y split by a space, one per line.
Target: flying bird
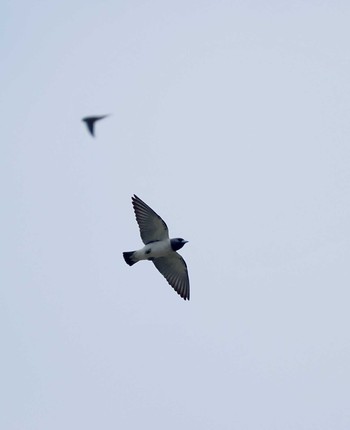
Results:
159 248
90 122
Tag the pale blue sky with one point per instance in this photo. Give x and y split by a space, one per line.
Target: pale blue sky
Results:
230 119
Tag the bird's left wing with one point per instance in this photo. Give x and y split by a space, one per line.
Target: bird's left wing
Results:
173 267
152 227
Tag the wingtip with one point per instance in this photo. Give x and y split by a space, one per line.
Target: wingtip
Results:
185 296
136 198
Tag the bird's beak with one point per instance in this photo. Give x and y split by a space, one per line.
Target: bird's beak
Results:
186 241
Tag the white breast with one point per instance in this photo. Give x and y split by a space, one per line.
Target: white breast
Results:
154 250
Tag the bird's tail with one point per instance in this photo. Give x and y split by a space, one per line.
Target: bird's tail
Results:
130 258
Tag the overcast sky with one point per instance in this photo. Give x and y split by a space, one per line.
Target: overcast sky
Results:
231 119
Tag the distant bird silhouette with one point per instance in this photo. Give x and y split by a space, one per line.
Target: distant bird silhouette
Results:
90 122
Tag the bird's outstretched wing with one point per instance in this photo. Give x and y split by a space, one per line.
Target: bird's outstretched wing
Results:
173 267
90 125
152 227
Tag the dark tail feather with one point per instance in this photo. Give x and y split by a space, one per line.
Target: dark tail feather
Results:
128 257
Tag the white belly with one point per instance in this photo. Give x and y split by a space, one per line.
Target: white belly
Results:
154 250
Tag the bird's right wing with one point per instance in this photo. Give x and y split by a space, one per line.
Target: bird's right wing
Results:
152 227
173 267
90 126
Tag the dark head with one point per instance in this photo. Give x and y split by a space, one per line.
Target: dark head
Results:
177 243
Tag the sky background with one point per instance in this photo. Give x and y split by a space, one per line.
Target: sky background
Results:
231 119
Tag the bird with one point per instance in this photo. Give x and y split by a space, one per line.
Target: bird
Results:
90 122
159 248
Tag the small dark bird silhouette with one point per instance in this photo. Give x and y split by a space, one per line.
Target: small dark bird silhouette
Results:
90 122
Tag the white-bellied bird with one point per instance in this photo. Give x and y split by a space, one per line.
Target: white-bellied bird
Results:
159 248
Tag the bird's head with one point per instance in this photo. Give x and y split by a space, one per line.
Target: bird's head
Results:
177 243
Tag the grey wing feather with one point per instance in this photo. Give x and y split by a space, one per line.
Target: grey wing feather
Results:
174 269
152 227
